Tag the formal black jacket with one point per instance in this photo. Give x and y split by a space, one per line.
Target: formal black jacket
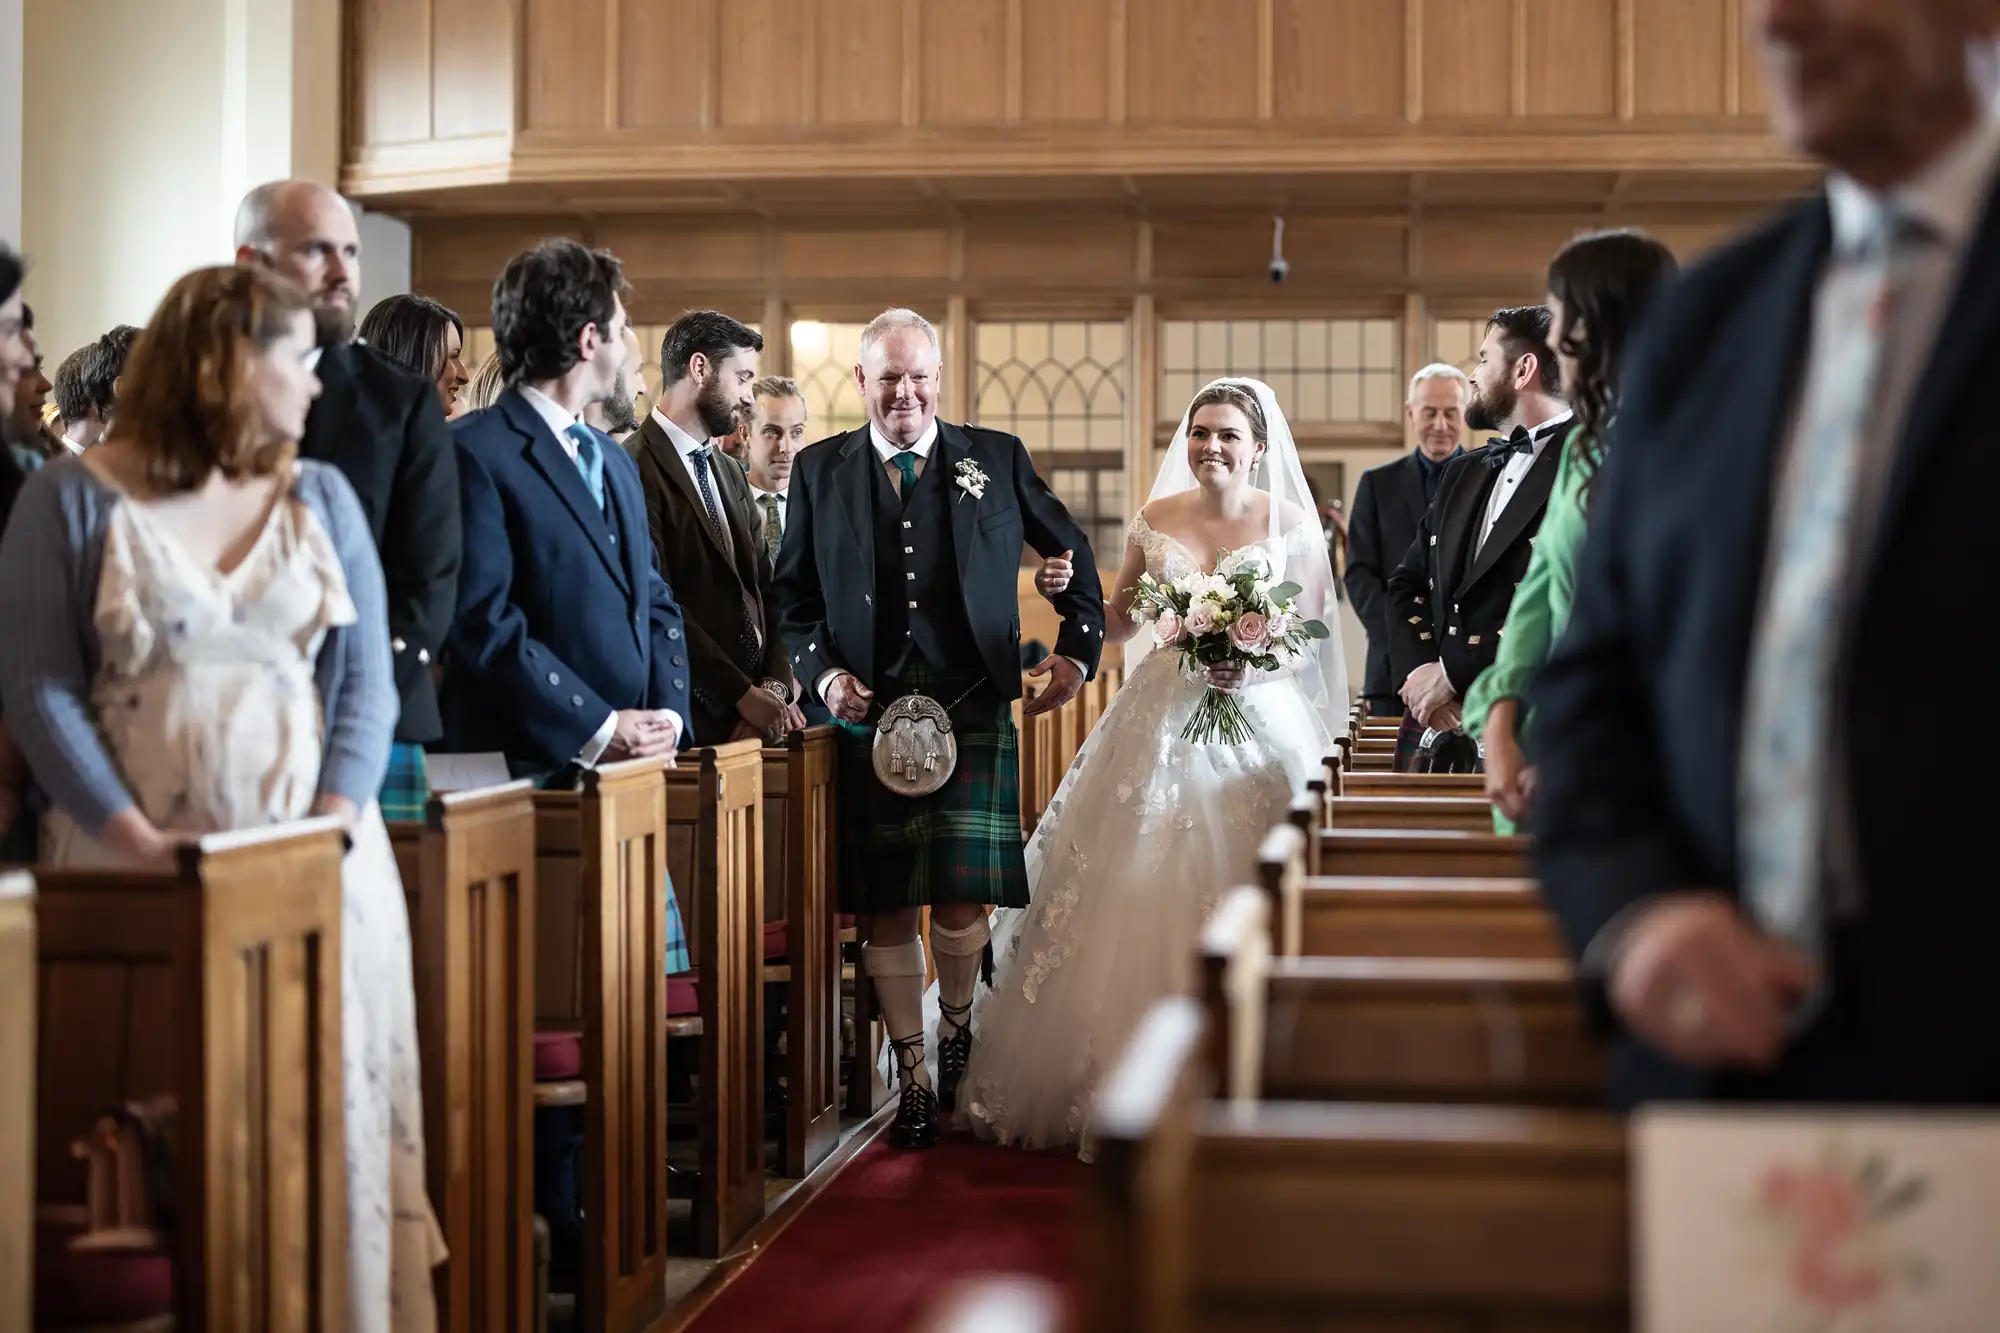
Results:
1389 504
1640 709
384 428
717 588
826 566
1444 605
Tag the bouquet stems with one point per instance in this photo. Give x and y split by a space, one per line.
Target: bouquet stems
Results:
1217 717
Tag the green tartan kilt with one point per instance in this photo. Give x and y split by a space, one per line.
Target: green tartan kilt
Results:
406 788
960 844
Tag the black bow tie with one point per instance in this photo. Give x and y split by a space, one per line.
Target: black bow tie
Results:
1500 452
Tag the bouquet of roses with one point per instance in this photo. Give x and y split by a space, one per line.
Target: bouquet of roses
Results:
1235 617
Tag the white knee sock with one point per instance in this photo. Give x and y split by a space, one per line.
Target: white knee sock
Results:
898 973
957 953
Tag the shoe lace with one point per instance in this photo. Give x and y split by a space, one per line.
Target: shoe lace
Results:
955 1051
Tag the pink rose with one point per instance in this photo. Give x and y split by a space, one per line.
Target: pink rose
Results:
1251 632
1168 627
1201 619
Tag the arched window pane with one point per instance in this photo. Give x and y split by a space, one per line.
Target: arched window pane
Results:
1323 371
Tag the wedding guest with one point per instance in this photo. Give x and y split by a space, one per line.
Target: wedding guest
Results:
424 338
86 387
485 387
1777 884
1389 504
203 646
618 415
33 444
704 529
1598 286
381 426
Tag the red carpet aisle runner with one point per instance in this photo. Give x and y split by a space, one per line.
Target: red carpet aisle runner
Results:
896 1227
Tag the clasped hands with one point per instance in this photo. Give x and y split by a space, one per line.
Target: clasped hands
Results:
1701 983
1427 693
644 733
762 714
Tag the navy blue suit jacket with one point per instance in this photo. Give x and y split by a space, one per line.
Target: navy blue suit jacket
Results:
563 617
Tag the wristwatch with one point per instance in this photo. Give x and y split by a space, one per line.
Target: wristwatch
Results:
781 689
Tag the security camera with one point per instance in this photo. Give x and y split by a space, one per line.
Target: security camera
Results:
1280 270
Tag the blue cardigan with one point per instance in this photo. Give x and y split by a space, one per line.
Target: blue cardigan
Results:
50 562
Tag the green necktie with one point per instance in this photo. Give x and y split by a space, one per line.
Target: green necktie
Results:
773 533
906 463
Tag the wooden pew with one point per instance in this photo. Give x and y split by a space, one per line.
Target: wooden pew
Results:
1208 1216
802 827
1393 1029
1409 852
715 844
599 970
217 984
1437 814
1411 784
469 876
1406 917
17 1099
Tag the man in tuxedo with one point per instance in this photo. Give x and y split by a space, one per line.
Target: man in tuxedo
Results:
898 576
1389 504
706 532
1777 881
568 648
772 440
1449 596
384 428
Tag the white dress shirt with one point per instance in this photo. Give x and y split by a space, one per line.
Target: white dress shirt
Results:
684 448
1514 473
75 449
560 419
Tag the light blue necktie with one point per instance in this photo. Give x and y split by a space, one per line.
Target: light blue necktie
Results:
589 461
1782 791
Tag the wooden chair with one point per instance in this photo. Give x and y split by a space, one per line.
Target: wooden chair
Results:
18 979
802 827
599 975
217 985
715 840
1210 1216
469 875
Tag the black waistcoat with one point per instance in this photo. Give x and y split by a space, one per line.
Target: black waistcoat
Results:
919 607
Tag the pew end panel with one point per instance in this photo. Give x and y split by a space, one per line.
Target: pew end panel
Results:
800 792
18 980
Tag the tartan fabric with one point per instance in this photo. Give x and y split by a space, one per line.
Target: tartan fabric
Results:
678 959
407 787
960 844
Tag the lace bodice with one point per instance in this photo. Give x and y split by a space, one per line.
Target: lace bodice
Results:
1168 558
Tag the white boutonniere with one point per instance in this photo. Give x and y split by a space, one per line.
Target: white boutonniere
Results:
970 479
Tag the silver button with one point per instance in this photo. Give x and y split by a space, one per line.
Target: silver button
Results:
906 522
614 539
424 656
909 550
911 577
576 701
554 679
397 644
913 606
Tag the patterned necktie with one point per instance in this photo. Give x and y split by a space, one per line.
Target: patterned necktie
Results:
1782 791
589 461
774 531
906 463
701 461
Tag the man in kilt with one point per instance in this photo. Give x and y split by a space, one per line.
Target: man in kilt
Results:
897 575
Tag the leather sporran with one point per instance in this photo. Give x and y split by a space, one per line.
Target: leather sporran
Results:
914 749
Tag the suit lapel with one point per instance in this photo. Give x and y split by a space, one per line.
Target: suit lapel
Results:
326 425
733 493
668 459
1410 490
1458 527
1521 511
853 487
952 448
549 458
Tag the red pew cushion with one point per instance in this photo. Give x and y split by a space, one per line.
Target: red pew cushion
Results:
558 1056
682 1001
86 1287
775 939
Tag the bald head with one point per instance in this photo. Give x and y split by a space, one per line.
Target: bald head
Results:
306 232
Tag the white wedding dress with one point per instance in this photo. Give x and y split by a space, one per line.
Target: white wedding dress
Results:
1142 838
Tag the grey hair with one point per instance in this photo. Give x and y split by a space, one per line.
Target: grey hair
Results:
253 215
777 386
890 320
1438 370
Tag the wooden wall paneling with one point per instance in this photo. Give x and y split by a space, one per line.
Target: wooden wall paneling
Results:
963 55
1467 58
389 47
1192 60
1365 253
1339 59
1680 47
472 69
859 49
567 57
667 60
1492 255
1752 96
771 38
1571 57
1064 252
728 254
904 255
1067 60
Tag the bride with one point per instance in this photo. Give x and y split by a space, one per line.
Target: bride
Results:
1148 829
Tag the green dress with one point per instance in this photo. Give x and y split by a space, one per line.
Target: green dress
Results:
1540 610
